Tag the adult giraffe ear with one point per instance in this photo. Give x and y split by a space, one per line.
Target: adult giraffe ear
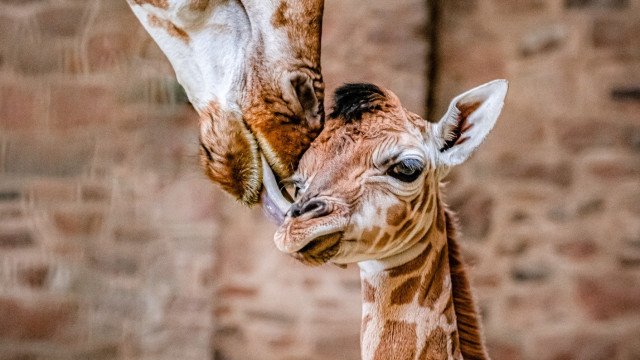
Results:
469 119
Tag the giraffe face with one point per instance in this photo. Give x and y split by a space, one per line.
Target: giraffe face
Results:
251 69
367 187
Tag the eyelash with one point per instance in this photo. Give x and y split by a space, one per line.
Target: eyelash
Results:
413 165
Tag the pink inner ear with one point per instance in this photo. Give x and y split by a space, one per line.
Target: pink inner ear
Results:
455 134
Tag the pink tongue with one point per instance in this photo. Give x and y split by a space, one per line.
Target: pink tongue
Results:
270 209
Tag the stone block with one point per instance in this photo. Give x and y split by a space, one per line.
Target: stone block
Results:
522 168
587 4
620 34
34 276
608 296
19 107
474 208
105 51
114 263
612 168
578 248
585 134
10 195
74 105
576 344
39 320
66 21
16 238
77 222
48 156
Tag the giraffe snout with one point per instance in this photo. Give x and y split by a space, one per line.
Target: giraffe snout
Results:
311 209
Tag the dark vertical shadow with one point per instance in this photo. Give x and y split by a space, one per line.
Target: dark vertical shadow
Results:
433 64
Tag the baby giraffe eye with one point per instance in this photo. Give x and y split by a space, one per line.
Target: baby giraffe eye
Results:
407 170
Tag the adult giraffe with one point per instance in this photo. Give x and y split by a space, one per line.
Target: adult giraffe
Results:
368 191
251 69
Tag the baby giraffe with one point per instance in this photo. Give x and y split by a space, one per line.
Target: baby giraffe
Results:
368 191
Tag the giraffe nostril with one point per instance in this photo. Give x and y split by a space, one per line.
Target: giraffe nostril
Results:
315 207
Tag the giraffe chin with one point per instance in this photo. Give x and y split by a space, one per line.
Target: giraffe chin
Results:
319 250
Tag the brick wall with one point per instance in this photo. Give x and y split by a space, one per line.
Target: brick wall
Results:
106 224
550 204
114 246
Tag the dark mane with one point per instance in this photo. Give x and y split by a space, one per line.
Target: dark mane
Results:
471 342
353 100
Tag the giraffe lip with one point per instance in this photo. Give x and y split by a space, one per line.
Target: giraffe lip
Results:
320 250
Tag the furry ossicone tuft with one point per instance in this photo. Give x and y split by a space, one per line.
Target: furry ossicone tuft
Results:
353 100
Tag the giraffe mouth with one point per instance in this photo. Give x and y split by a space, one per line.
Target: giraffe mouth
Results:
319 250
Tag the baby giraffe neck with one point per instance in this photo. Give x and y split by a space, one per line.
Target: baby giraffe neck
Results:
414 310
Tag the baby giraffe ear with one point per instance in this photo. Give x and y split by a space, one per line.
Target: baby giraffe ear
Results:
467 122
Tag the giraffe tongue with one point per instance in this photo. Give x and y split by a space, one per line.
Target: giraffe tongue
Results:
274 204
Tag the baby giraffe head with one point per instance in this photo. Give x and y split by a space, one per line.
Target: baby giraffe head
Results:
367 188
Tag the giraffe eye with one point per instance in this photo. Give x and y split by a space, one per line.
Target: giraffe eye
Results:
406 170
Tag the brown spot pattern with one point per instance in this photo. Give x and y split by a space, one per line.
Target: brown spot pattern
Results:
370 235
406 291
412 265
398 341
384 240
279 18
396 214
449 311
440 221
170 27
368 292
436 346
162 4
198 5
431 286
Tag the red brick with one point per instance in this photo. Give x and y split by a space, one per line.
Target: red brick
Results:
134 234
237 291
475 212
521 168
75 105
41 320
615 4
48 155
18 238
499 350
34 276
97 193
18 107
106 50
614 169
608 296
582 134
576 345
74 223
10 213
52 191
115 264
62 21
615 33
578 249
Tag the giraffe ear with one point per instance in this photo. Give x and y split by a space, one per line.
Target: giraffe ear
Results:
467 122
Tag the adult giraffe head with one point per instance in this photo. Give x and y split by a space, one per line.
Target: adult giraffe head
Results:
251 69
368 186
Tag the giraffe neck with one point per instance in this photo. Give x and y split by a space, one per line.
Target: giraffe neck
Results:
408 307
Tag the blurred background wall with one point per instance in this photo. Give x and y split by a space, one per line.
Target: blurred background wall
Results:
113 245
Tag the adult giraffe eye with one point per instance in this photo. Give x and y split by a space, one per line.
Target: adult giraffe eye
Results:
406 170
